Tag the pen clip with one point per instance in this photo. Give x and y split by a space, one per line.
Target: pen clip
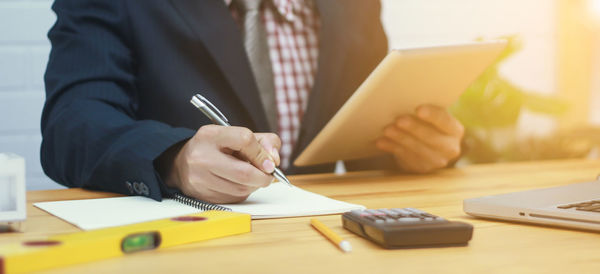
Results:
212 107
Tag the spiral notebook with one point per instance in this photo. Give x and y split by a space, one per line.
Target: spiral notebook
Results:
276 201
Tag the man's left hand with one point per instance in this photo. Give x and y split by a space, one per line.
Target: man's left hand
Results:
428 140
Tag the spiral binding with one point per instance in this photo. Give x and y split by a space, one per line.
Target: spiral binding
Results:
197 203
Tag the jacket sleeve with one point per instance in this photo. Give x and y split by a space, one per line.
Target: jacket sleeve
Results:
91 135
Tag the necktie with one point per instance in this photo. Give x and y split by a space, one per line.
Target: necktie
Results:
257 49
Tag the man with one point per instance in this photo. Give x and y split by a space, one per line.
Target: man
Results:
121 74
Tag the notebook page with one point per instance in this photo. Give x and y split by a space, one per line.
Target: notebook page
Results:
277 200
280 200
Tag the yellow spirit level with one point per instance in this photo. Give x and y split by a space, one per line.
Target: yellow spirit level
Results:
67 249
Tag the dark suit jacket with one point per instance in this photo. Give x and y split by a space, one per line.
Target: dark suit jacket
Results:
121 74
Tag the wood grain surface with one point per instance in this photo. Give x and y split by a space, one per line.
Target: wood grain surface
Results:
290 245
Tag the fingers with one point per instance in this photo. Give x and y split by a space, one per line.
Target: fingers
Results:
424 142
239 172
214 189
198 181
411 154
446 145
219 197
245 143
441 119
409 162
207 166
271 143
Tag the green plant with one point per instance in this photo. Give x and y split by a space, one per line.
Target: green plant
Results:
493 104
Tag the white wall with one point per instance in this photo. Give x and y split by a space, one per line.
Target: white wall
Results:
23 55
24 52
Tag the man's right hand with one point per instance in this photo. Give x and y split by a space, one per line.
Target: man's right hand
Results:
224 164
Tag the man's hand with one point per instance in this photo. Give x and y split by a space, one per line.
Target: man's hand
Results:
225 164
423 142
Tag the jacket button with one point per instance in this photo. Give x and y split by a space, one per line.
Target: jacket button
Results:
144 190
136 188
129 187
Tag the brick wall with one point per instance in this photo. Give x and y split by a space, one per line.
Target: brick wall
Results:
24 51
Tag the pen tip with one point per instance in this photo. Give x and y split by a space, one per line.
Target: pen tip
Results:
279 175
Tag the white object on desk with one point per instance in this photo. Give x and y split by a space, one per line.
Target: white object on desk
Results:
12 188
277 200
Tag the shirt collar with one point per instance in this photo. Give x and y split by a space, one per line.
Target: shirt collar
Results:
287 9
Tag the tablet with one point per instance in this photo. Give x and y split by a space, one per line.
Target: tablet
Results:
405 79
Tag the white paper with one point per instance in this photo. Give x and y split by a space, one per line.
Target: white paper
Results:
277 200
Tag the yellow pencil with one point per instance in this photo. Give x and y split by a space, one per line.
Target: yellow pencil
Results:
332 236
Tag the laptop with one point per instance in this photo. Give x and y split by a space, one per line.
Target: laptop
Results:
574 206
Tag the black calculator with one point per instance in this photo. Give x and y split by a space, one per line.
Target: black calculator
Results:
406 228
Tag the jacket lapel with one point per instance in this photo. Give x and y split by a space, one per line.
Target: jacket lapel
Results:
212 22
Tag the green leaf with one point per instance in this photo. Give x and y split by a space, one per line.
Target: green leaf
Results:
513 45
545 104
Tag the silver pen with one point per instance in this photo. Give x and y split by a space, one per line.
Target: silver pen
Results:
218 118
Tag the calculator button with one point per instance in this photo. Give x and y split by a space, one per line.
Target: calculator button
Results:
359 213
370 218
408 220
390 213
382 212
401 211
375 212
415 211
380 217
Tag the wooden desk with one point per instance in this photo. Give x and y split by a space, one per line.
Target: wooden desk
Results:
292 246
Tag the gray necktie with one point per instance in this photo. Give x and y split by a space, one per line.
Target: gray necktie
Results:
255 42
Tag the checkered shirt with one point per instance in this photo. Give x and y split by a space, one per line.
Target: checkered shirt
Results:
292 31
